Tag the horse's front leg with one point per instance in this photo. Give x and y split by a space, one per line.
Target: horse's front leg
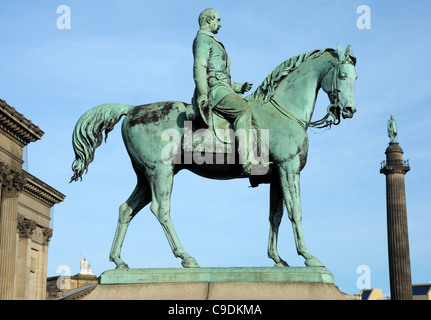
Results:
276 207
290 186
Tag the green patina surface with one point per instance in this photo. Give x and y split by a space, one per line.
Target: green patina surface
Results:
282 106
235 274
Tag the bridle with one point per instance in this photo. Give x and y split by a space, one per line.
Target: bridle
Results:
333 109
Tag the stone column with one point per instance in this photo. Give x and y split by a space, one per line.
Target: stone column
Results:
6 286
12 184
43 266
394 168
26 228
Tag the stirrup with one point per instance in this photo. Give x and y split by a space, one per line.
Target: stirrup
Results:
264 166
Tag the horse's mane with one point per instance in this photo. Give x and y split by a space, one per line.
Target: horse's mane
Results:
266 90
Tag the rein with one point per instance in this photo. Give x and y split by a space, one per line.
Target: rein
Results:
333 97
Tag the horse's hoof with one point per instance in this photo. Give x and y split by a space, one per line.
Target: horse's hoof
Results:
313 262
189 262
281 264
122 265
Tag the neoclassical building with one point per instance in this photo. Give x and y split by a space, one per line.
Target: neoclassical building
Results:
25 206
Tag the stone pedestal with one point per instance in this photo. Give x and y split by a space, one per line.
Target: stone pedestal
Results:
292 283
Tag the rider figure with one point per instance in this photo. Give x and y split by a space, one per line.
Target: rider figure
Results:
214 89
392 129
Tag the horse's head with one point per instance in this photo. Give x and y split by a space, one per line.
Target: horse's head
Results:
338 82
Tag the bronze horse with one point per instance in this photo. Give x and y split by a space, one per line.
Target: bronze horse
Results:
283 105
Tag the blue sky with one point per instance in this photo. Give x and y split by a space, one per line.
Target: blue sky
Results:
137 52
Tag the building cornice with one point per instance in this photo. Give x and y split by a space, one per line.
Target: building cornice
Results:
17 126
40 190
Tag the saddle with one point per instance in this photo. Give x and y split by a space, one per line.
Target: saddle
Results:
220 127
209 120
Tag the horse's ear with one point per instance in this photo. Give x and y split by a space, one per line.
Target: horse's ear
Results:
348 51
340 51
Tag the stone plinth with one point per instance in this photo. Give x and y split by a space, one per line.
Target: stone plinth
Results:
292 283
251 274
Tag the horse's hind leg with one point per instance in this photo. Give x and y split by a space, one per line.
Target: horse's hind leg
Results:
161 187
139 198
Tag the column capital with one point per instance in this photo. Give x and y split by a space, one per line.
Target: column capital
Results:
12 183
4 171
25 226
388 168
47 234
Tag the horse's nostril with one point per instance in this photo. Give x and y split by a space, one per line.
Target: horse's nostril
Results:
350 110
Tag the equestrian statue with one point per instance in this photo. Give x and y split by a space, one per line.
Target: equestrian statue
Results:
277 115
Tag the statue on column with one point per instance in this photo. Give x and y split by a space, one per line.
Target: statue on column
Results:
392 129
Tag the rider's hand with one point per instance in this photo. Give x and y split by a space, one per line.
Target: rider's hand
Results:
246 87
202 101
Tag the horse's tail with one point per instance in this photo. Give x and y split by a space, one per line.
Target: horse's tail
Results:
88 134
